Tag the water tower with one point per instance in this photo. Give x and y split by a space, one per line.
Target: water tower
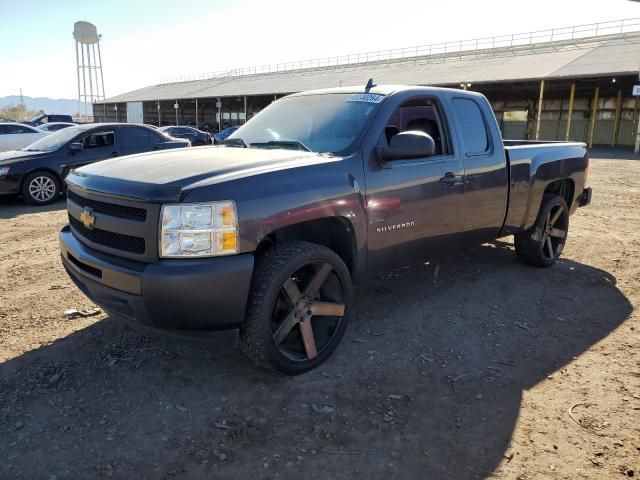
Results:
90 79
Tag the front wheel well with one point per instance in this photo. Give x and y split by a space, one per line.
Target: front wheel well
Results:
335 233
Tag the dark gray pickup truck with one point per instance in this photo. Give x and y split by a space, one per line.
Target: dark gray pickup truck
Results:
264 235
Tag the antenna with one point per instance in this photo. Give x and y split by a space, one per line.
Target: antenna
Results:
370 85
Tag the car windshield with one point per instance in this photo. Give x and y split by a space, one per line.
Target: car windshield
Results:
53 141
319 123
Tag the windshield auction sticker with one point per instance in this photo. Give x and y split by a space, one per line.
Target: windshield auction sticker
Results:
365 97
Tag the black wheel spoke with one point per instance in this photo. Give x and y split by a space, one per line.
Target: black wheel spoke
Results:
549 246
316 282
558 233
285 327
556 216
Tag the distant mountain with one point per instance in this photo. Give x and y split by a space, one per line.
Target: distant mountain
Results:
48 105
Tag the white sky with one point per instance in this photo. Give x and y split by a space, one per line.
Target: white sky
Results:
146 42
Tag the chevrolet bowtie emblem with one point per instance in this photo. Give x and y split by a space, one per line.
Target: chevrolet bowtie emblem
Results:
87 219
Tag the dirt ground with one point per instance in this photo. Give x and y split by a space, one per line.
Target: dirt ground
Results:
497 370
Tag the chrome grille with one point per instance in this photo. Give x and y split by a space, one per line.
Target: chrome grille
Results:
132 213
117 241
123 227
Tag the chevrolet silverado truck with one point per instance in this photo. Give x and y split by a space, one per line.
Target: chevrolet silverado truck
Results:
264 235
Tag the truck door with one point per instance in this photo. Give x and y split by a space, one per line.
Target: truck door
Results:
486 185
414 206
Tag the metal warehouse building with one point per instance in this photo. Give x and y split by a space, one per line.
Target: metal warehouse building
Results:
569 83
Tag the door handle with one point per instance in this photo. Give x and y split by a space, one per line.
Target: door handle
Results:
450 179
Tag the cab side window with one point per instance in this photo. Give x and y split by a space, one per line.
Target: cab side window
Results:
472 126
423 115
99 139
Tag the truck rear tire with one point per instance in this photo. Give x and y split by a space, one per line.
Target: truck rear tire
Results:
298 308
542 244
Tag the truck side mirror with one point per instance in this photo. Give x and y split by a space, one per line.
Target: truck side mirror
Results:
409 144
76 147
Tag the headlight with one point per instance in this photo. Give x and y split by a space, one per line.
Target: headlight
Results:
4 171
198 230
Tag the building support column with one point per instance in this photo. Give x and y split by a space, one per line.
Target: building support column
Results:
636 118
540 100
637 148
245 109
558 134
196 113
159 114
219 107
572 95
594 111
175 107
616 120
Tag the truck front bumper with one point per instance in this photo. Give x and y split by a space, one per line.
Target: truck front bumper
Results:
585 198
170 294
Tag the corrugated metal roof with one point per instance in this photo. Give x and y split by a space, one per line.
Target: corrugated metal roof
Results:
613 55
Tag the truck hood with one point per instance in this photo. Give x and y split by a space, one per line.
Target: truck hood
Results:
163 176
15 156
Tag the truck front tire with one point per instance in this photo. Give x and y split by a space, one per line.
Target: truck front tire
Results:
298 308
542 244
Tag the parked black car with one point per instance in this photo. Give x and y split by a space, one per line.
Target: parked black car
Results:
195 136
48 118
37 172
224 134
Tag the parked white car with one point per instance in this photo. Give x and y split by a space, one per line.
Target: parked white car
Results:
14 136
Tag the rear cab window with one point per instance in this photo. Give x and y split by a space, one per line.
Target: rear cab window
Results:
473 128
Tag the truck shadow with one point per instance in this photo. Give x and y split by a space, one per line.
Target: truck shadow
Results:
427 383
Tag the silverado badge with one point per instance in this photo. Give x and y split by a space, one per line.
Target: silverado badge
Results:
87 219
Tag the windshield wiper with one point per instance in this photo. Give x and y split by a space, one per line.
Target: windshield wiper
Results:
234 142
282 143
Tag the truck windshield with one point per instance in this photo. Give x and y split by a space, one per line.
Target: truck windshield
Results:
53 141
320 123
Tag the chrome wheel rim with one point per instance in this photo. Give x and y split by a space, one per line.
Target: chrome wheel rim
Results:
42 188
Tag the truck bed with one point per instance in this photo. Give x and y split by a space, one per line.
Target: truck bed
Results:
532 165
